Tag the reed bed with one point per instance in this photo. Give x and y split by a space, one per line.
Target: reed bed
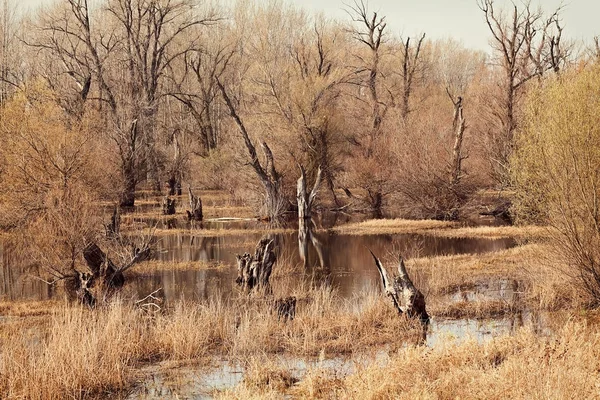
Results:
84 353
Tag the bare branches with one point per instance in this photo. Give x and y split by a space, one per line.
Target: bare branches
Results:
410 66
528 45
373 27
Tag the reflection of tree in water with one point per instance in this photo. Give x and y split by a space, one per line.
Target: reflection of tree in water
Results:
16 277
306 237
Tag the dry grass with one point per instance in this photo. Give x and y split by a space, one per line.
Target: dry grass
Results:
522 366
441 228
149 267
538 278
89 353
494 232
391 226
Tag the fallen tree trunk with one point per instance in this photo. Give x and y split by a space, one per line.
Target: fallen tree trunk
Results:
407 299
255 270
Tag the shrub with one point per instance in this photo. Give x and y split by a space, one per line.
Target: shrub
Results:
555 171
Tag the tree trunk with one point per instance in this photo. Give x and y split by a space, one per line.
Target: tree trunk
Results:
113 228
128 194
459 126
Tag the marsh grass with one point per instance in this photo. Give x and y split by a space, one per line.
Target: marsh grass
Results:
84 353
149 267
391 226
522 366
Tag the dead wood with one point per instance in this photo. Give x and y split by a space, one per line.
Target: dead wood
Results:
406 298
168 206
255 270
286 308
195 212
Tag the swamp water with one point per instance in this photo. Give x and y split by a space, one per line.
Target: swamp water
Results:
345 263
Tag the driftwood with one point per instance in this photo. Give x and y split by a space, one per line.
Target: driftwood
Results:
168 206
195 212
407 299
255 270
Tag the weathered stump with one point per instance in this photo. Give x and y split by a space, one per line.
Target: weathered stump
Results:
195 212
255 270
113 228
168 206
286 308
405 296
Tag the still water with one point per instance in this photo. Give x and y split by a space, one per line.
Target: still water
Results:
344 262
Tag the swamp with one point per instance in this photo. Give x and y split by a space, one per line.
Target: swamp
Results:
256 200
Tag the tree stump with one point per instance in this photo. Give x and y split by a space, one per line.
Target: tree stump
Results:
113 228
405 296
168 206
195 212
286 308
255 270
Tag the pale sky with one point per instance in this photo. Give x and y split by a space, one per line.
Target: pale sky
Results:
459 19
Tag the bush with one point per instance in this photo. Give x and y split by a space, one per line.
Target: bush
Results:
555 171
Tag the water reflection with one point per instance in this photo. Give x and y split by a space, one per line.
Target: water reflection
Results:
342 261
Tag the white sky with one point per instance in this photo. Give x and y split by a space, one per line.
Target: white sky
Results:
459 19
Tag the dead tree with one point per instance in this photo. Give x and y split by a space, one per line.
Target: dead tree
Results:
255 270
305 224
305 199
410 68
103 277
527 46
458 128
168 206
407 299
195 211
275 203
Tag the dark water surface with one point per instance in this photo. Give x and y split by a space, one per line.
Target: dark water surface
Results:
347 262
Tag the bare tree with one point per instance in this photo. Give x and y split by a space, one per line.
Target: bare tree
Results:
370 32
411 63
274 202
145 35
9 74
527 45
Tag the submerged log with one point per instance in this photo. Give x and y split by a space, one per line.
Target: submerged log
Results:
407 299
255 270
195 212
168 206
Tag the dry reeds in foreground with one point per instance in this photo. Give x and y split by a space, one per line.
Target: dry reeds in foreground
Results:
522 366
82 353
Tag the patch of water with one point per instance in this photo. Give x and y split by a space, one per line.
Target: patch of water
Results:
344 262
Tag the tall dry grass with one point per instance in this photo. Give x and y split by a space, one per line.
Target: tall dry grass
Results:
84 353
523 366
